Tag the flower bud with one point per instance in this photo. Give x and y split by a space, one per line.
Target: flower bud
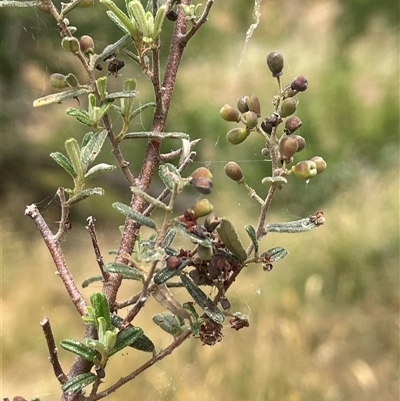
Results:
242 104
287 147
320 163
305 169
301 142
292 124
237 135
202 208
234 172
275 63
250 119
87 44
288 107
254 105
71 44
211 222
228 113
202 180
299 84
58 81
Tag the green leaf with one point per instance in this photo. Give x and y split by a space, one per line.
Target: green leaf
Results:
274 254
139 15
158 20
127 103
76 384
73 152
86 138
91 280
121 95
164 296
98 169
125 338
168 323
101 308
143 343
13 3
85 193
59 97
253 236
297 226
93 147
127 271
82 116
230 238
169 237
78 348
165 274
205 303
149 198
111 49
193 237
101 84
134 215
170 176
64 163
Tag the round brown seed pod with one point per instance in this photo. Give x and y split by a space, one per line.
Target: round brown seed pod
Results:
275 63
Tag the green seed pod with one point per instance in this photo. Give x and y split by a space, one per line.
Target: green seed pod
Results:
205 252
320 163
228 113
72 80
234 172
58 81
288 107
242 104
292 124
237 135
71 44
301 142
305 169
87 44
211 222
275 63
299 84
250 119
202 208
288 92
254 105
287 147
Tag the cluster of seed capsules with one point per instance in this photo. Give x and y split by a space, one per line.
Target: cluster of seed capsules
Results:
248 112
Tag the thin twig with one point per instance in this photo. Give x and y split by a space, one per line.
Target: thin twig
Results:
51 345
99 257
58 257
167 351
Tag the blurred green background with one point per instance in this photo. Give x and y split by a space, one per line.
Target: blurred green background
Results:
324 323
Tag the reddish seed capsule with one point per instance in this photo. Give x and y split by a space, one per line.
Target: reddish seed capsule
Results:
299 84
275 63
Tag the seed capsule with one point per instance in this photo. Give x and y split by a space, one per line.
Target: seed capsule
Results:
250 118
87 44
58 81
242 104
234 172
254 105
301 142
299 84
320 163
275 63
237 135
292 124
202 208
288 107
202 180
288 147
71 44
305 169
228 113
211 222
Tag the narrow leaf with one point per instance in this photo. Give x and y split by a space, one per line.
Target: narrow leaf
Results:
77 383
230 238
253 236
81 115
274 254
164 296
101 308
125 338
120 95
134 215
85 193
13 3
202 300
297 226
166 273
162 135
93 147
59 97
192 236
169 175
64 163
169 237
73 152
98 169
127 271
158 21
78 348
149 198
91 280
86 138
111 49
117 22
